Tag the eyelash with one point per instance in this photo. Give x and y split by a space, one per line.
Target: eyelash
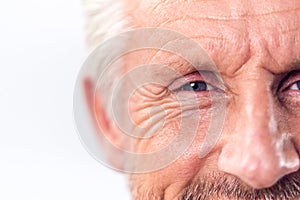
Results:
197 82
291 83
207 87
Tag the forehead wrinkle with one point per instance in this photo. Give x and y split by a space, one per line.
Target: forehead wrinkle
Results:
164 18
161 3
209 37
244 15
233 31
197 19
292 30
233 42
248 16
276 12
245 19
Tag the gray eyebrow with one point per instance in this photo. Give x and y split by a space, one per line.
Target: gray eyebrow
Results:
294 65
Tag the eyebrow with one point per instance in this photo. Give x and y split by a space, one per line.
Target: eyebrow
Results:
294 65
181 68
172 69
184 67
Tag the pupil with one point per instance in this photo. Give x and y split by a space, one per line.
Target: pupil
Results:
298 85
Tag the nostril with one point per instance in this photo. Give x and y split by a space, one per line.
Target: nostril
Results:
258 175
253 174
257 172
260 165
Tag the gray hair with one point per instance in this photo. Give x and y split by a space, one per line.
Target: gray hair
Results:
104 19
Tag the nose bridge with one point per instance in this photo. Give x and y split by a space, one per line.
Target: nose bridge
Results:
256 133
256 112
256 151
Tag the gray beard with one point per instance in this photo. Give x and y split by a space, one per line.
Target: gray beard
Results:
217 185
221 186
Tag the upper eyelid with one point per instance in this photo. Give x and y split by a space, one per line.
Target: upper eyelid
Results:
206 76
178 82
289 79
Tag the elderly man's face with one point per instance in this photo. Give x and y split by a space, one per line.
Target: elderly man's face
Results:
255 46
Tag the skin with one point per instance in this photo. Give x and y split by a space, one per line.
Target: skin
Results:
255 46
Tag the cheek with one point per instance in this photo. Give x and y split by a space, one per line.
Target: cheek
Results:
289 115
176 128
156 122
291 122
164 122
173 178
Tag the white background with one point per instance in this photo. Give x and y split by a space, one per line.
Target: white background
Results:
41 51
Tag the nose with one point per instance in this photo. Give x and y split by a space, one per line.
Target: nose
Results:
256 151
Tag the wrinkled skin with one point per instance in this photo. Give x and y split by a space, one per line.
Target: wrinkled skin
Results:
255 46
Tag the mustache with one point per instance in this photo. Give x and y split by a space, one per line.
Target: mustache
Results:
222 186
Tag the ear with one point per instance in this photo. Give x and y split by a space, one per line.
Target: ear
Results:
110 137
95 106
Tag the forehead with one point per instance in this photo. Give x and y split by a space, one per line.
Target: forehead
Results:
231 31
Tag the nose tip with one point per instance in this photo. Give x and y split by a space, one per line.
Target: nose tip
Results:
259 166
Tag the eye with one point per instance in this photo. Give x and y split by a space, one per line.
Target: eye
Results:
196 86
289 93
197 83
291 83
198 90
